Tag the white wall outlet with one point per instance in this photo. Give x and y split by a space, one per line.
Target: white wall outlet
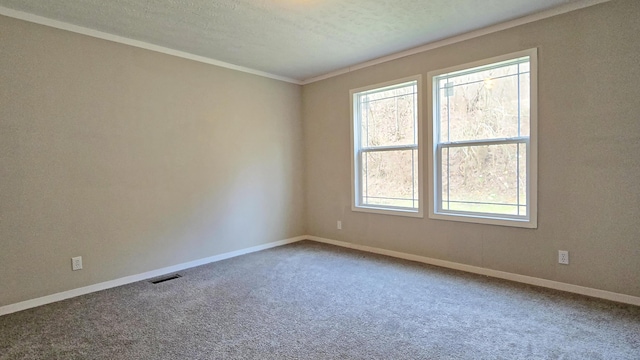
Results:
339 225
563 257
76 263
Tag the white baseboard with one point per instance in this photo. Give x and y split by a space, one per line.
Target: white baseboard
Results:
602 294
23 305
582 290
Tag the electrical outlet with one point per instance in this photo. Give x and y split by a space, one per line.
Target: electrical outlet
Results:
76 263
563 257
339 225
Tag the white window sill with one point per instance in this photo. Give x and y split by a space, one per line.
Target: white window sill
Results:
389 211
521 223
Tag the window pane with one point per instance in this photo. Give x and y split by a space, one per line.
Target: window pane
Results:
522 179
525 103
483 178
444 106
389 117
445 179
482 105
389 178
416 187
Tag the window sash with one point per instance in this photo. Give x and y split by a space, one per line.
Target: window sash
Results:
503 141
358 99
438 182
389 148
415 173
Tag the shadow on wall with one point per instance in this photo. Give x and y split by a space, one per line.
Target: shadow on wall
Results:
135 161
247 208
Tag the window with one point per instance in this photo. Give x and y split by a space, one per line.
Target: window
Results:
386 148
483 151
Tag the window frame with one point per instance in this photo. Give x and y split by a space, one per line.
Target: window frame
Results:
530 221
356 150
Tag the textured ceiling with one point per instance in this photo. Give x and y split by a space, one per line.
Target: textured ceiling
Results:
298 39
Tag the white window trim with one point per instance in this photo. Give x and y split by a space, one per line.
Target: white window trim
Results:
355 198
532 158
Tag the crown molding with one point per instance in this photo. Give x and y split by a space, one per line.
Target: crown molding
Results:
577 5
139 44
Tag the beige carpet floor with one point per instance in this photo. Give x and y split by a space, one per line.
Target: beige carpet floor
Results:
314 301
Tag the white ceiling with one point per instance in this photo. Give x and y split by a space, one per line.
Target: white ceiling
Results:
296 39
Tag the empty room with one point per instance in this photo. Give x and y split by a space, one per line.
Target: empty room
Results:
319 179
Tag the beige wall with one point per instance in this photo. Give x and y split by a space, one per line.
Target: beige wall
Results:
589 155
135 160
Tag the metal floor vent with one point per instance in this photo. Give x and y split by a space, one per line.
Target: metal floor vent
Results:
166 278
